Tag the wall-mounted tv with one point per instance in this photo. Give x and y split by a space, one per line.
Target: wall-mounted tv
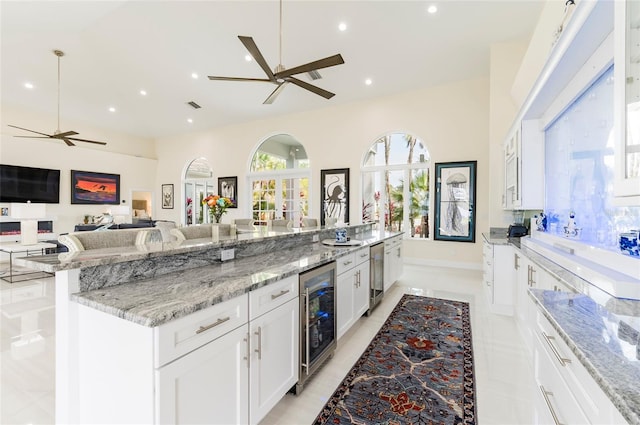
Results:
22 184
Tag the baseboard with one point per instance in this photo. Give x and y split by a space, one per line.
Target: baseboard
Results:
442 263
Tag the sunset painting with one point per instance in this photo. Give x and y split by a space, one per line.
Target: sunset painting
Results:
94 188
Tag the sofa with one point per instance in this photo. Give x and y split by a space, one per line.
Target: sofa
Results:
201 231
82 241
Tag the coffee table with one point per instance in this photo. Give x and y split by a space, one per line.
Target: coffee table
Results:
16 247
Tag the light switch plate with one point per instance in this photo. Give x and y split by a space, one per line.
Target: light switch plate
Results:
316 238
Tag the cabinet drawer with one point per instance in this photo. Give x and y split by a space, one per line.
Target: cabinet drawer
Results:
273 295
362 256
555 397
345 263
181 336
588 394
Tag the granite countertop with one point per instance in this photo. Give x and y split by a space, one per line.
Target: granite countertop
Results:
604 334
99 257
153 302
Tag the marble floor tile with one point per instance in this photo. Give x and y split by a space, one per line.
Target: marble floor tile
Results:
502 370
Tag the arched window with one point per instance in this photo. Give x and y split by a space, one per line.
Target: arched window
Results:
388 165
279 180
197 182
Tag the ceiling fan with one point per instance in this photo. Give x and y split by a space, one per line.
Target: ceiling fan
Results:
281 76
64 136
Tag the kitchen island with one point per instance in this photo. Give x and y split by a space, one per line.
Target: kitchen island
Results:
115 311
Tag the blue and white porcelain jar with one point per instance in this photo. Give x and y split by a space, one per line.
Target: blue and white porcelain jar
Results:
629 243
341 235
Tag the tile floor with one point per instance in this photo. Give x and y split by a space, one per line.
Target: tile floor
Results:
503 373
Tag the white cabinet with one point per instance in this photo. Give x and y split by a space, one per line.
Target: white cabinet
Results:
524 167
393 266
352 293
229 363
627 101
273 329
207 386
567 393
499 277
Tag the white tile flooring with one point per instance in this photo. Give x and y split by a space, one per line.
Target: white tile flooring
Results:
503 374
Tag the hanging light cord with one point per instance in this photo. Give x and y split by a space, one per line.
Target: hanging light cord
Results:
280 31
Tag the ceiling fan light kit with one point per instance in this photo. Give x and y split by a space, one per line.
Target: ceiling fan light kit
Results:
64 136
280 76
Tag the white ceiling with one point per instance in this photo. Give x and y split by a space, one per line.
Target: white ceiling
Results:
113 49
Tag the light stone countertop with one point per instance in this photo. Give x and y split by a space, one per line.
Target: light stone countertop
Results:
153 302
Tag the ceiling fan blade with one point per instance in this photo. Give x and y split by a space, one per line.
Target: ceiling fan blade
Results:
36 137
250 45
32 131
239 79
311 66
315 89
85 140
65 134
274 94
67 141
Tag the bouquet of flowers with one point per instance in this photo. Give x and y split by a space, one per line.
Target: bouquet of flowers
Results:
217 206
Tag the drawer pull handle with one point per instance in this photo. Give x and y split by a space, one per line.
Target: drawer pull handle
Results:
213 325
284 291
364 255
346 263
563 361
259 349
546 395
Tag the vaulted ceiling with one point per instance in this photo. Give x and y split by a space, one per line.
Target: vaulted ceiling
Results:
115 49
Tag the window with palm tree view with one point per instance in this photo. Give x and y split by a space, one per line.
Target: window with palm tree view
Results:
279 181
395 184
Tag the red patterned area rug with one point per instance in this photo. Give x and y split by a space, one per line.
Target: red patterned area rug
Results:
418 369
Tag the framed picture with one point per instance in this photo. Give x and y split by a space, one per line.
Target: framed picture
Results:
227 187
88 187
334 195
167 196
455 201
5 211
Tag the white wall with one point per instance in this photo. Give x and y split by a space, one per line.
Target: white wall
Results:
135 173
452 119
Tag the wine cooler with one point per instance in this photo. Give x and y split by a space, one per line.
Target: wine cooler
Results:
317 320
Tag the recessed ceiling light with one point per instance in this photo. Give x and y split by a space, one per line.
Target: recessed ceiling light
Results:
432 9
28 85
112 109
248 58
342 26
368 81
143 92
189 120
194 76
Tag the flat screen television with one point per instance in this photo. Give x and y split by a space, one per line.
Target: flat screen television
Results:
22 184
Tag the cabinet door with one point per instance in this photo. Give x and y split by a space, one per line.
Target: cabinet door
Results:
398 266
274 357
504 279
207 386
522 301
361 291
344 301
388 266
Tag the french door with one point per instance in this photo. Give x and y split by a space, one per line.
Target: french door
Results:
282 195
195 191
